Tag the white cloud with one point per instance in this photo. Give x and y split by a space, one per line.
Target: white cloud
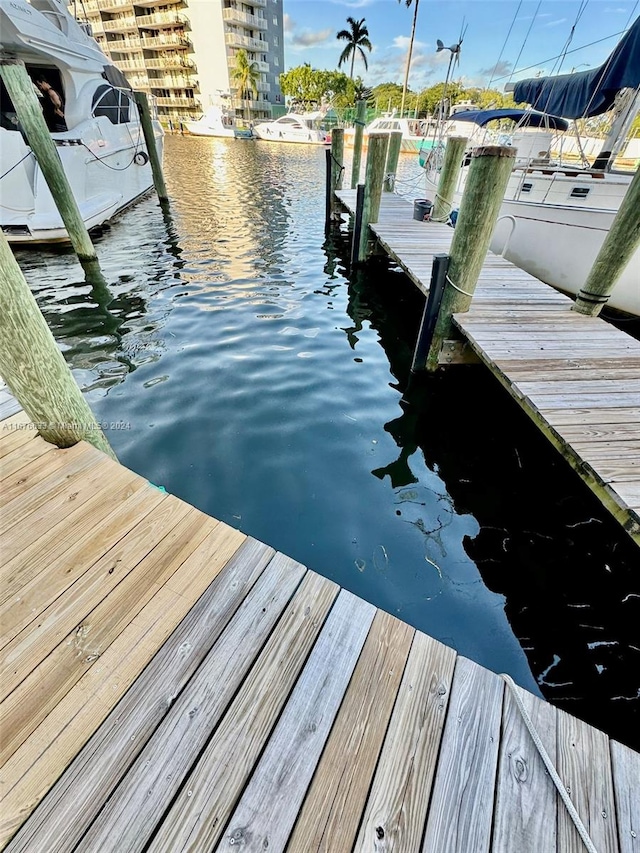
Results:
403 43
308 38
556 23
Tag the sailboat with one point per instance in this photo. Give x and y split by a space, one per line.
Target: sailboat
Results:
103 151
554 220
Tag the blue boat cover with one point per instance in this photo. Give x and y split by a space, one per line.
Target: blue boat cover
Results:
524 118
588 93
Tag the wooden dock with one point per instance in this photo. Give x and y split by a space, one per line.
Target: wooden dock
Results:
577 377
169 684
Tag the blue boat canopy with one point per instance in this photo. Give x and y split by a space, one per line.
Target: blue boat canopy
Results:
587 93
524 118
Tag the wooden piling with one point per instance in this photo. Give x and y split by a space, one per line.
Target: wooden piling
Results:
337 169
393 152
453 154
437 285
33 367
489 172
374 175
149 137
357 225
25 101
619 246
361 115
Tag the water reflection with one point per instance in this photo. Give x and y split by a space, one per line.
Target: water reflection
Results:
269 389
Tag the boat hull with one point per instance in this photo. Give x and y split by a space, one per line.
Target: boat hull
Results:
559 244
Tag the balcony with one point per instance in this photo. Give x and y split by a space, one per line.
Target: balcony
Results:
263 87
148 4
263 67
123 45
237 40
120 25
246 104
176 82
175 61
173 40
176 102
262 3
128 65
235 16
162 19
115 5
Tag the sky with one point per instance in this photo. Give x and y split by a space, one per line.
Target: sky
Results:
503 39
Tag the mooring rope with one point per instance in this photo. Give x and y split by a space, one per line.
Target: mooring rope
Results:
544 755
459 289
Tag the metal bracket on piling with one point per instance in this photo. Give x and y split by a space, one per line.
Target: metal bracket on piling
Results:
430 314
357 225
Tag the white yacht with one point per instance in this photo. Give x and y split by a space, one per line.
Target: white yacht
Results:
416 133
103 151
217 121
294 127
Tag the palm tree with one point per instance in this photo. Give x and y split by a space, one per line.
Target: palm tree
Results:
410 51
357 38
245 75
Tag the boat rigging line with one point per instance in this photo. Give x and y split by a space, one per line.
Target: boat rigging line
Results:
504 45
526 38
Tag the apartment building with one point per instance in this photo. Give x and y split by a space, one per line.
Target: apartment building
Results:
183 51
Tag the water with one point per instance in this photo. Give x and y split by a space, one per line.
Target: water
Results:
239 367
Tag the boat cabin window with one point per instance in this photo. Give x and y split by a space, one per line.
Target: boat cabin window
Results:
579 192
8 116
526 188
113 103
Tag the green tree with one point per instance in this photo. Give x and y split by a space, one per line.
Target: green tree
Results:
309 87
357 38
245 75
388 96
410 51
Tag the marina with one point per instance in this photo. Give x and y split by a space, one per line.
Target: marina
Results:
146 656
317 533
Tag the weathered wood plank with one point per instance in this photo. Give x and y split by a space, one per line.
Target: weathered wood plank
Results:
268 808
208 796
38 594
331 812
625 764
32 770
584 765
525 810
15 431
461 809
70 637
127 820
66 467
33 546
23 455
217 577
396 810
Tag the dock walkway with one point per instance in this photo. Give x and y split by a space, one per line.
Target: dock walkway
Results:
577 377
169 684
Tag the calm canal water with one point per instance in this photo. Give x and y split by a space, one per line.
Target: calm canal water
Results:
254 379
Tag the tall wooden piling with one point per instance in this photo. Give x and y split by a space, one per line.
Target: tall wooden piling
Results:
25 101
374 175
337 167
33 367
361 115
453 154
393 152
617 250
149 137
489 173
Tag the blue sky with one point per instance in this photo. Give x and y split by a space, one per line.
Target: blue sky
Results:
311 27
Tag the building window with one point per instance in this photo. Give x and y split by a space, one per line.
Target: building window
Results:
276 61
275 21
275 41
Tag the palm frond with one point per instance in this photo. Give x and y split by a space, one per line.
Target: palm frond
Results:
346 53
344 34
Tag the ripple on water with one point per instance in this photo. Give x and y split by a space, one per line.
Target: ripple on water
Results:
263 387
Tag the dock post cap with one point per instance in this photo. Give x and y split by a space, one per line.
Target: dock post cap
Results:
494 151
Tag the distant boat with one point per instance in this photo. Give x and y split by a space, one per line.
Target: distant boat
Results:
103 151
294 127
218 122
414 133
